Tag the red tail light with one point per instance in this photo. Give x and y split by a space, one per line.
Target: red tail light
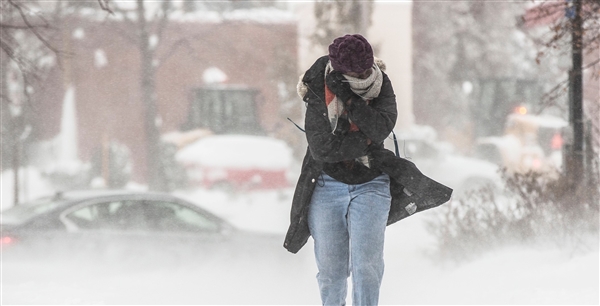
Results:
556 142
6 240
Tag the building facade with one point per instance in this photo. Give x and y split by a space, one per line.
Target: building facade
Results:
225 76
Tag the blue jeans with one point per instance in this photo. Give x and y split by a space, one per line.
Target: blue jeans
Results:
347 223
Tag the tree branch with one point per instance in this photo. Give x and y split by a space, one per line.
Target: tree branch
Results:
104 6
22 27
32 27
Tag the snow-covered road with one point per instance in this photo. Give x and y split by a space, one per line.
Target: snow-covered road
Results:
512 275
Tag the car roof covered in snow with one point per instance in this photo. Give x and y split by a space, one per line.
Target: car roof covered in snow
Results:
237 151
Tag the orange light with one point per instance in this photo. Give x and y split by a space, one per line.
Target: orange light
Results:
6 240
521 110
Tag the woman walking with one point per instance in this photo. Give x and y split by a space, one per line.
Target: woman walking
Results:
343 198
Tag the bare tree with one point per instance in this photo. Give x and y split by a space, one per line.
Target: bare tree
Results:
145 26
23 43
27 49
477 46
574 30
147 81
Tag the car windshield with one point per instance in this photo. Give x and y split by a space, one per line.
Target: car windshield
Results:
23 212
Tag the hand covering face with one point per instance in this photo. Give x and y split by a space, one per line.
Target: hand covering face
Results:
339 85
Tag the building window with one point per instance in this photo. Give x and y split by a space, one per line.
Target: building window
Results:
224 111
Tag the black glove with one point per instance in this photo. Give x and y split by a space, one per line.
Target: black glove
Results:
343 126
375 146
337 83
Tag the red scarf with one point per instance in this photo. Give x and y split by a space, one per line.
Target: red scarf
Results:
329 96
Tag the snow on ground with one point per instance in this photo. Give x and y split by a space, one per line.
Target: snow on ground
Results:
512 275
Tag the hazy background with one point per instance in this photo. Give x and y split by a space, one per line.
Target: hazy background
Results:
178 96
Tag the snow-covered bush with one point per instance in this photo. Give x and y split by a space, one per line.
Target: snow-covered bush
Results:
534 208
68 175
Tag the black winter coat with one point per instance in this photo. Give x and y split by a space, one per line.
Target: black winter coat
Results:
411 191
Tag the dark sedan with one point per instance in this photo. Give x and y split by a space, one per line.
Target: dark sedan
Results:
123 225
123 247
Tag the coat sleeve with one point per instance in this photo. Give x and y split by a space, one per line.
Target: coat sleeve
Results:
377 119
326 146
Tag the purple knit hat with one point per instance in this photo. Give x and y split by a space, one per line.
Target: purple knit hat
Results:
351 53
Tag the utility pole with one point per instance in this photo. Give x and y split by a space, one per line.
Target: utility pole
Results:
575 168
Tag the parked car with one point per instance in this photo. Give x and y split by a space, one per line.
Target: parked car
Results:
439 161
237 162
122 247
530 143
122 224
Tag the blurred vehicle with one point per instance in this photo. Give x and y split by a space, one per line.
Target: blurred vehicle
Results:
492 99
439 161
122 224
530 143
237 162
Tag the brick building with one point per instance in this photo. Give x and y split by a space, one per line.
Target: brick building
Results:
228 76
